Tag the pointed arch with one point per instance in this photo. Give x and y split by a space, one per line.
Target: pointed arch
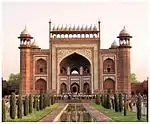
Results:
109 66
41 66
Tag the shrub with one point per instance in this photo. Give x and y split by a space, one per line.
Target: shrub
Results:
26 106
102 103
34 102
12 106
52 100
116 102
120 102
3 111
48 100
105 101
108 102
44 100
41 101
37 103
113 103
125 105
30 103
19 107
97 100
138 105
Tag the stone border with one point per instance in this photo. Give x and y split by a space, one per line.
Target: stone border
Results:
59 115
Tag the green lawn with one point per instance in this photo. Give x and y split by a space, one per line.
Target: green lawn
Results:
118 116
34 116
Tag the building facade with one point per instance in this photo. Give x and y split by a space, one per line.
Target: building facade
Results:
75 62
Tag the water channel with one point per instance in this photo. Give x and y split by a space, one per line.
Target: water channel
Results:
76 113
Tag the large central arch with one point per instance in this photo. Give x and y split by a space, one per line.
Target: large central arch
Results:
74 66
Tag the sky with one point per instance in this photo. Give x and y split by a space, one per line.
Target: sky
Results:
113 16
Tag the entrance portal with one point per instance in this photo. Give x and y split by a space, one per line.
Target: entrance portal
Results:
75 88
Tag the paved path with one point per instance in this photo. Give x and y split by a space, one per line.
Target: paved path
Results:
51 116
100 117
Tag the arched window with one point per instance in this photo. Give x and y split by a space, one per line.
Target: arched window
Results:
63 71
86 71
109 85
109 66
40 85
75 71
41 66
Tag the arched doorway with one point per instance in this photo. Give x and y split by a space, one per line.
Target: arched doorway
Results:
63 88
41 66
86 88
75 88
109 85
40 85
74 62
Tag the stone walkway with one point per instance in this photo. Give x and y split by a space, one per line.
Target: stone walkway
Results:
100 117
51 116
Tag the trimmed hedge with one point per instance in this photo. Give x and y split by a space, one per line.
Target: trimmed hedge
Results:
139 107
34 102
41 101
3 111
26 106
30 103
37 104
44 101
120 102
125 105
116 102
12 106
108 102
97 100
19 112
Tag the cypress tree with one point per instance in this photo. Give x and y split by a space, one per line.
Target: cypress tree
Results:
3 111
30 103
41 101
34 102
26 106
97 100
37 103
120 102
116 102
19 107
48 100
113 103
125 105
52 100
108 102
12 106
44 101
139 107
105 101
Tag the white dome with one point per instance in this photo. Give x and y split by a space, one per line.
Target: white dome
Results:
35 44
114 44
25 31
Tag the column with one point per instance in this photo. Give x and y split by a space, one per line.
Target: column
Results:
81 70
68 70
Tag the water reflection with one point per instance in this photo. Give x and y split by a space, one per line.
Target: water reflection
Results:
76 113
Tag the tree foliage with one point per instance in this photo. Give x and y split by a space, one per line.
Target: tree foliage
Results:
133 78
14 78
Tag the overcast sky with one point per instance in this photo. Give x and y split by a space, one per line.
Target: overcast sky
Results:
113 15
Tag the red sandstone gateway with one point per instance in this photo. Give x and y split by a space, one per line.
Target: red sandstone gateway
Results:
75 63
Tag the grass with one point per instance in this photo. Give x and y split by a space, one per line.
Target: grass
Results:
34 116
118 116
